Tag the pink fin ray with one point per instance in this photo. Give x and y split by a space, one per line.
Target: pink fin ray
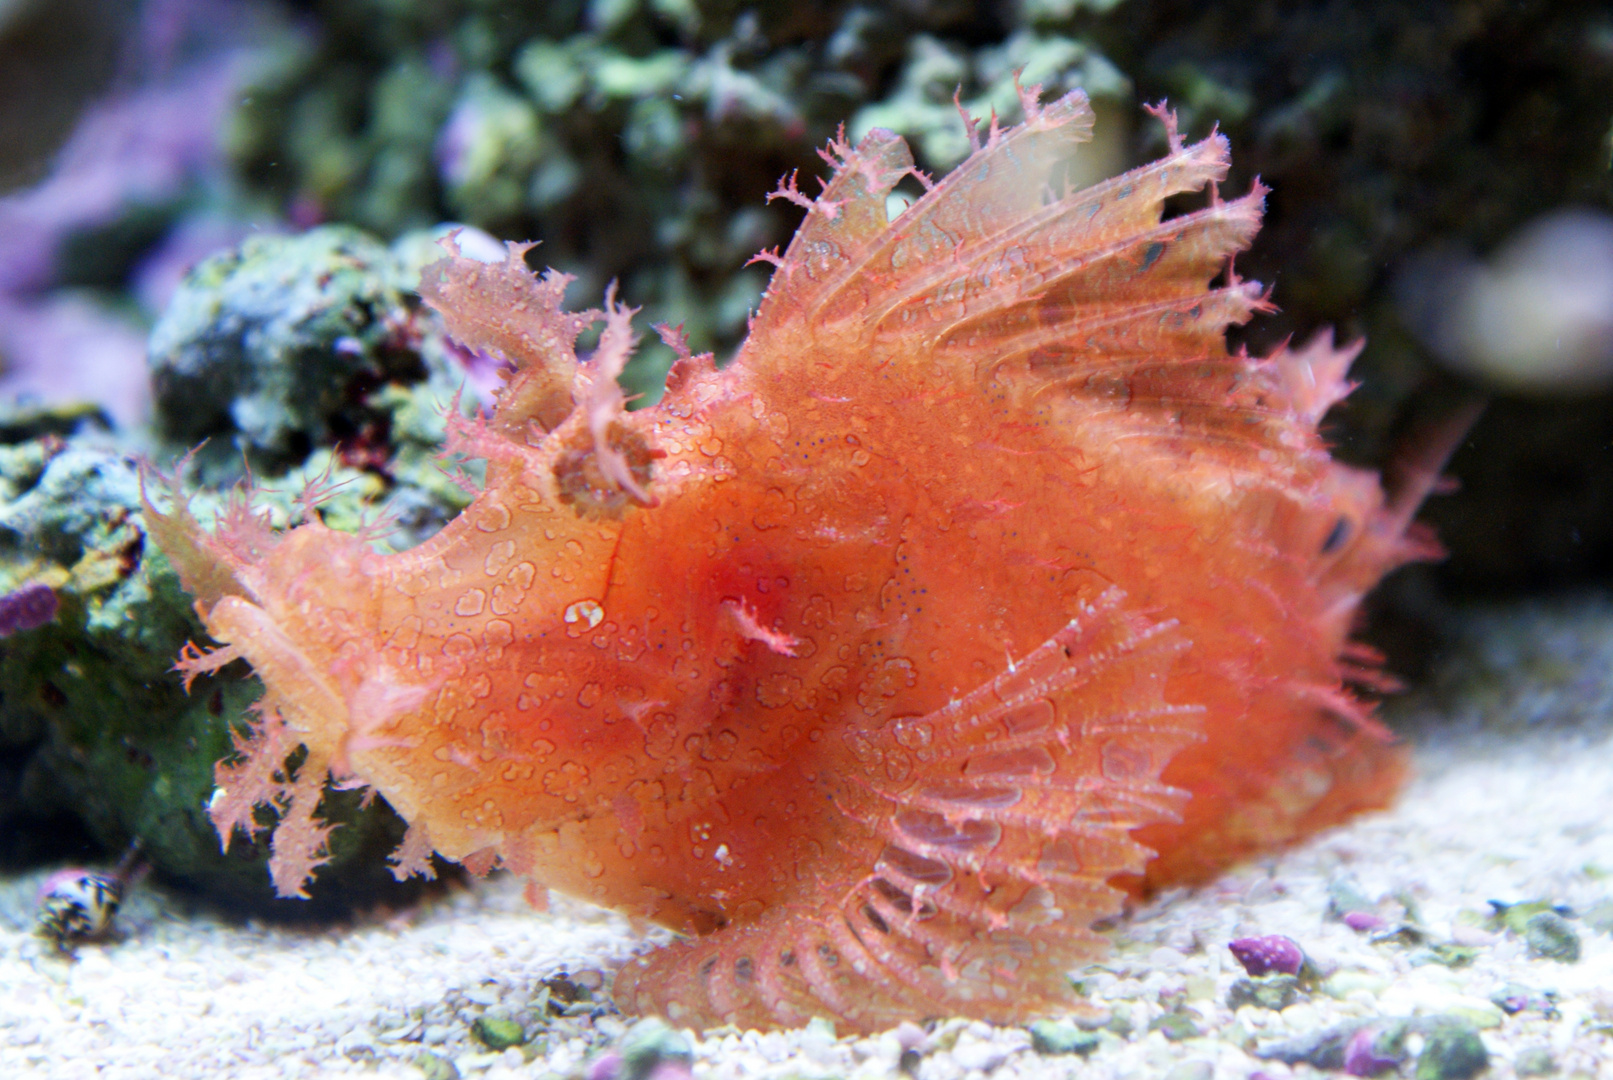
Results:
1311 379
300 843
255 778
413 855
194 661
965 906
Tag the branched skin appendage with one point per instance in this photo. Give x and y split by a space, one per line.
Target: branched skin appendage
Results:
983 586
602 475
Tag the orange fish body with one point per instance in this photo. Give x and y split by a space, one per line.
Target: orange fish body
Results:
984 581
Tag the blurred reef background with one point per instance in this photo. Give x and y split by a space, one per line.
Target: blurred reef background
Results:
213 214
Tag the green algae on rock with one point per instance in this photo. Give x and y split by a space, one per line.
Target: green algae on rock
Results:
1452 1050
1548 935
278 346
117 743
636 141
308 358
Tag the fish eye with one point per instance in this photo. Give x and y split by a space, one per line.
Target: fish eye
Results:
1336 538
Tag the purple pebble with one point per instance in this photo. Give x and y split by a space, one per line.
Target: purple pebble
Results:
1360 1059
1362 920
29 607
607 1066
1265 955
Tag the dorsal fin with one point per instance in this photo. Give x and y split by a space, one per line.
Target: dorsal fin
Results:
840 227
1002 273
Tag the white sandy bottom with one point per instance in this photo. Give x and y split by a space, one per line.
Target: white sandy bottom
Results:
185 995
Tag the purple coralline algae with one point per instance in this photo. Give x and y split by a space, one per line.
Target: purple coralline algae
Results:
1363 920
1369 1052
1272 954
27 608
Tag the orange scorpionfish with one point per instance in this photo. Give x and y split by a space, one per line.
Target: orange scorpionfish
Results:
983 587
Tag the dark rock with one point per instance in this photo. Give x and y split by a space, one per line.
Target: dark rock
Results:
1059 1037
498 1033
1550 937
1452 1050
1176 1026
1266 992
